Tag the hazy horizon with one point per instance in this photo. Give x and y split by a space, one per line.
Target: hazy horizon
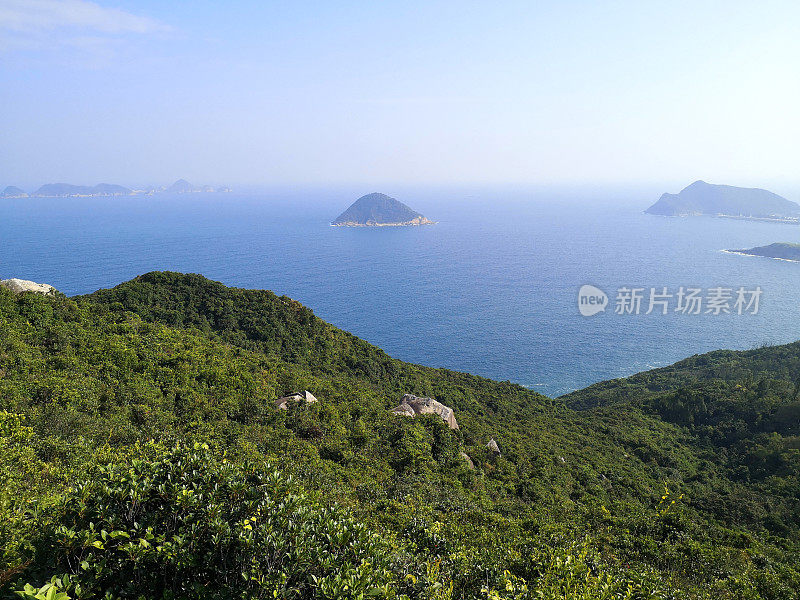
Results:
424 195
445 93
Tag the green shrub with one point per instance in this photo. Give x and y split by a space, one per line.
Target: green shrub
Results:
180 523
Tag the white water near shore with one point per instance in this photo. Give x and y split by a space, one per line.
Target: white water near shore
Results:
792 260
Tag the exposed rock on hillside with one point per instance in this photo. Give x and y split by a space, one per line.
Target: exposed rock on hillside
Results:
20 285
411 406
305 396
492 445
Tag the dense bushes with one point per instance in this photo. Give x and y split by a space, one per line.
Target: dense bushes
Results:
252 319
572 506
179 523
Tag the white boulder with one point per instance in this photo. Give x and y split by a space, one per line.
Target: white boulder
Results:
411 406
297 397
20 285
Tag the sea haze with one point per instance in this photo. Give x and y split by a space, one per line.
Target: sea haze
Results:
490 289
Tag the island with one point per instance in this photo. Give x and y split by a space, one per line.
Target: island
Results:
701 198
13 192
62 190
778 250
379 210
184 187
69 190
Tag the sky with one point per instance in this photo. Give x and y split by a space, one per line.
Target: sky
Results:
528 92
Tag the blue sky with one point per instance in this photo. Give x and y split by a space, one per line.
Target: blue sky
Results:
414 92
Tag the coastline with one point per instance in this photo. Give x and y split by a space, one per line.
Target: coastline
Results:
792 260
787 220
405 224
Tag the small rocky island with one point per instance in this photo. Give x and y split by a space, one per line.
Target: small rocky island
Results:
779 250
379 210
701 198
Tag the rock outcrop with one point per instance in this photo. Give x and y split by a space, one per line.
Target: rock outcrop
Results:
492 445
468 460
20 285
305 396
411 405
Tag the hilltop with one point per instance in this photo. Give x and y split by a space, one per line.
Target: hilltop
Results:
379 210
137 421
701 198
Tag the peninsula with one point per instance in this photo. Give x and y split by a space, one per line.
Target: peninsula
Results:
379 210
701 198
779 250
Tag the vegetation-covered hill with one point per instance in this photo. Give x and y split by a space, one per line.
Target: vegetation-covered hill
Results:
141 455
779 363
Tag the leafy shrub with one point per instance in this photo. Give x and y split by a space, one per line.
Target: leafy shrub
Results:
179 523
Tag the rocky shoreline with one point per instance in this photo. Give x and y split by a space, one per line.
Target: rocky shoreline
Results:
413 223
777 251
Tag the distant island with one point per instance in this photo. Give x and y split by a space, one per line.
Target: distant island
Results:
68 190
184 187
779 250
701 198
379 210
13 192
58 190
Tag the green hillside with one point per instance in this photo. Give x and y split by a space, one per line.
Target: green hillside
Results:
780 363
142 456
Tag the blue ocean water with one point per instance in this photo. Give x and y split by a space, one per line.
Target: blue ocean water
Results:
491 289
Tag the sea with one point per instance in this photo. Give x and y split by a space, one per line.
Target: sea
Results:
491 289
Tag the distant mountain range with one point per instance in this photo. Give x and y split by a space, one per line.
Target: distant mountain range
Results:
375 210
68 190
701 198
